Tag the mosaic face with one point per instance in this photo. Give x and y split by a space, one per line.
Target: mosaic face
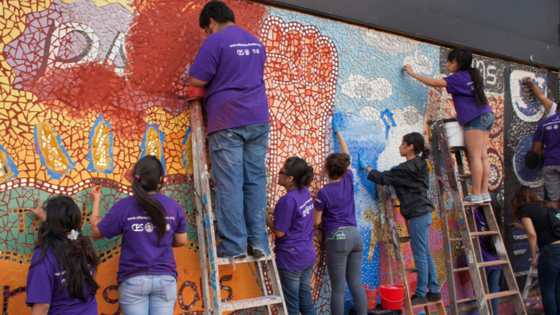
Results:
90 86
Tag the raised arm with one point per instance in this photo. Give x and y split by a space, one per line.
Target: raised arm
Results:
547 103
427 81
95 195
342 143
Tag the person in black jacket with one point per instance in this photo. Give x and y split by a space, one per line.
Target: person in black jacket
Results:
411 182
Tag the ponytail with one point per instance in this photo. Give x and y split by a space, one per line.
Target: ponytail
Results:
301 171
147 175
464 60
337 165
80 255
77 256
417 141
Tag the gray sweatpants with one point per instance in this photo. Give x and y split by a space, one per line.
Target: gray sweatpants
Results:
344 263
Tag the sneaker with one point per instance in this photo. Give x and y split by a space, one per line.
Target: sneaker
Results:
255 252
418 300
486 197
472 199
433 297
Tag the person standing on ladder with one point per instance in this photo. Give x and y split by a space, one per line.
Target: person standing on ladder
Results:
411 182
230 65
466 86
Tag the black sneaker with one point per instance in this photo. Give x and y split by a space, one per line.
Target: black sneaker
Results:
255 252
433 297
418 300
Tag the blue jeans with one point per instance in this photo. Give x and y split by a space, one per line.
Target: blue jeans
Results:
148 295
239 176
549 278
419 230
493 277
296 286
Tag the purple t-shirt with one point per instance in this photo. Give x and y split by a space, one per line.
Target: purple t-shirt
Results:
232 62
140 253
293 215
336 200
460 86
45 278
548 132
487 254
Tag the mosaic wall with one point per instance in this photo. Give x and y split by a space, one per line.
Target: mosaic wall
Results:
90 86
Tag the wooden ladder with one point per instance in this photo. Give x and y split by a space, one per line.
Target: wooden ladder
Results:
464 216
390 231
267 273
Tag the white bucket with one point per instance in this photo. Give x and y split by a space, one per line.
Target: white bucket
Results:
455 134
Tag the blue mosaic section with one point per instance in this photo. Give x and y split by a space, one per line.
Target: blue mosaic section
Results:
91 165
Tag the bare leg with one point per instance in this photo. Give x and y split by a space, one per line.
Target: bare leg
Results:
485 164
555 204
474 140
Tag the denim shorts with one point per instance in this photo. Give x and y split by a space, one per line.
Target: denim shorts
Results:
484 122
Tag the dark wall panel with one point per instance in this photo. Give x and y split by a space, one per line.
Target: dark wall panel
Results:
523 30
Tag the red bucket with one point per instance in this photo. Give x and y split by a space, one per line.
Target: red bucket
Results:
371 298
392 296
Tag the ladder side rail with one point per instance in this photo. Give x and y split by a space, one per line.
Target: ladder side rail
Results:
262 284
453 307
507 269
276 284
461 170
460 210
385 229
478 252
205 220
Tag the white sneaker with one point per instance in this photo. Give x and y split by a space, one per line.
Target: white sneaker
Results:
486 197
473 199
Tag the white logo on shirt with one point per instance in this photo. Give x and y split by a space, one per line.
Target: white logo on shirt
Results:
555 126
240 52
247 52
256 51
137 227
548 127
149 227
167 227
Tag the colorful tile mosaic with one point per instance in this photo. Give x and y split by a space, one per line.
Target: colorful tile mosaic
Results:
90 86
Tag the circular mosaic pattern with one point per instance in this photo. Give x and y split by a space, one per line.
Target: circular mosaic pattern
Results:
496 170
528 177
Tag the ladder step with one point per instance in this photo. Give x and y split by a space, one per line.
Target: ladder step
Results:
460 269
251 303
496 295
462 177
467 300
470 205
485 233
411 270
404 239
492 263
427 304
247 259
455 239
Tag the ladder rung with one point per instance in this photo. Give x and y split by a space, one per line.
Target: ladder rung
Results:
247 259
251 303
428 304
463 176
460 269
470 205
404 239
467 300
485 233
455 239
492 263
496 295
411 270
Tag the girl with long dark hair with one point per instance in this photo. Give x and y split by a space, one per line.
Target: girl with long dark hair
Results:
534 214
293 227
150 224
411 182
60 279
335 209
466 86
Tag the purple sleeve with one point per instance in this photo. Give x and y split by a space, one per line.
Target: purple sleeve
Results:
40 282
537 137
320 201
283 213
182 223
479 220
205 63
112 224
452 82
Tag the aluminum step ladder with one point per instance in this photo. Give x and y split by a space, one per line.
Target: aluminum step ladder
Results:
391 237
463 213
272 297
